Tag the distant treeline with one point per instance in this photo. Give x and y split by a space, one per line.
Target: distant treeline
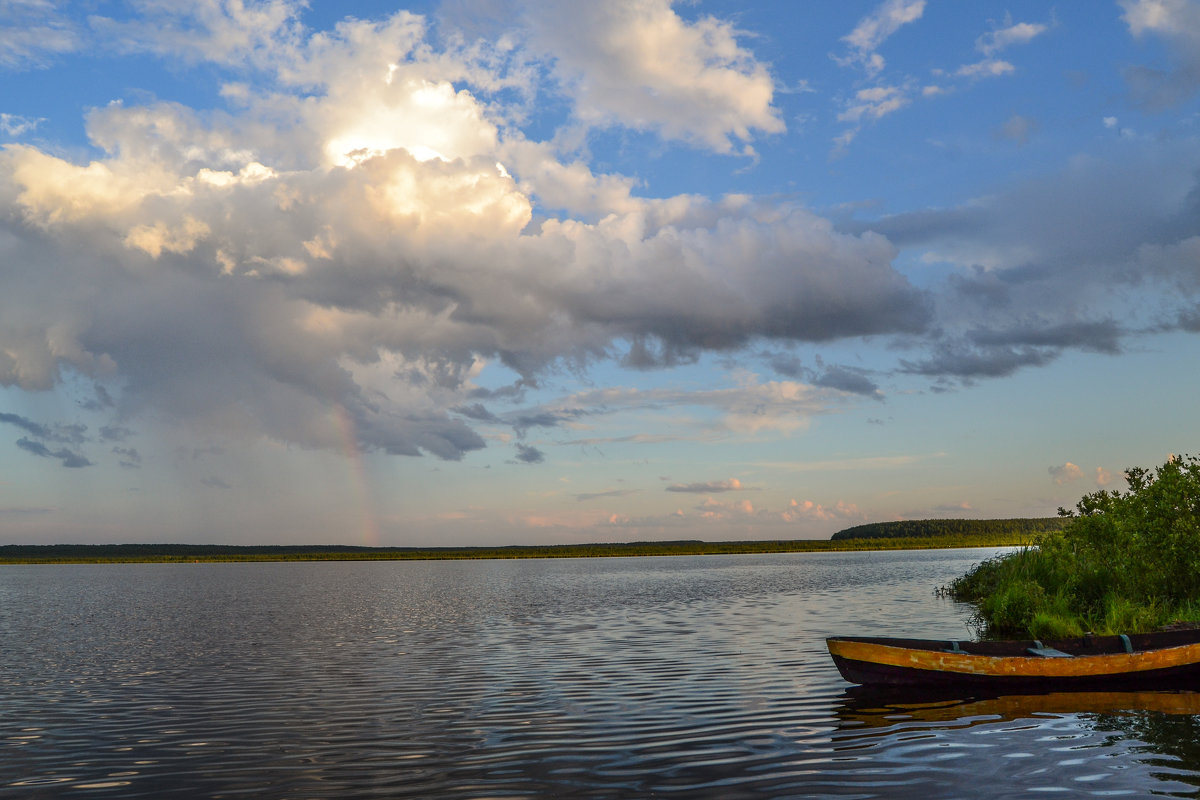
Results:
167 553
922 528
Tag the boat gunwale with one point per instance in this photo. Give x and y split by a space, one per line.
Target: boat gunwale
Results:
936 657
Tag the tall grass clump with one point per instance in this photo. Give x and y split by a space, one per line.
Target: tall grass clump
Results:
1126 562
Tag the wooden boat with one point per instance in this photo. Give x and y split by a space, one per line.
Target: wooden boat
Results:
1149 660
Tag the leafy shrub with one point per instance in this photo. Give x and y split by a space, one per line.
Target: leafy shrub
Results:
1124 563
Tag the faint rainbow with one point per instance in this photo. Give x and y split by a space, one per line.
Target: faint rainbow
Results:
348 431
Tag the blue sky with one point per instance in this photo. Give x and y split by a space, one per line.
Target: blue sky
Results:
491 271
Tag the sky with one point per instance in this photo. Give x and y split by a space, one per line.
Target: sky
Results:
490 272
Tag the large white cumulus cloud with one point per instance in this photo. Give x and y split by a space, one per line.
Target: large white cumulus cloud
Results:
360 233
638 63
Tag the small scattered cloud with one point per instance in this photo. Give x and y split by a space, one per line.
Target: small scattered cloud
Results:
808 509
873 103
101 401
527 454
33 32
988 68
868 106
1018 129
58 433
1104 477
477 412
17 126
1066 473
130 458
1010 34
874 29
26 424
957 359
1177 24
69 458
1100 336
214 482
550 418
610 493
709 487
115 433
848 379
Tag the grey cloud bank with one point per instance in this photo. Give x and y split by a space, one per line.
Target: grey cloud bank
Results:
250 271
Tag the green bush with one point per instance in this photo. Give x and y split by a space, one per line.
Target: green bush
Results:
1124 563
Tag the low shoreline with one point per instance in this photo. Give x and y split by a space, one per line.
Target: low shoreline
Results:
184 553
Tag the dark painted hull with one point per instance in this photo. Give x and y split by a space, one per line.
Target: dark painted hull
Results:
1148 661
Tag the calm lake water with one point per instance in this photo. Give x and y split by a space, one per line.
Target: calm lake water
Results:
646 677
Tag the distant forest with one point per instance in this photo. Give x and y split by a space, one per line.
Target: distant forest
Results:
923 528
150 553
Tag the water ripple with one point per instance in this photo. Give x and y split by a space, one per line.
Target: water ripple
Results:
700 677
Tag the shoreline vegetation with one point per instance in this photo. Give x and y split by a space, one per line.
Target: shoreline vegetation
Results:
906 535
1124 562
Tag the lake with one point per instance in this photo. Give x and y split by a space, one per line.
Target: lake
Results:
603 678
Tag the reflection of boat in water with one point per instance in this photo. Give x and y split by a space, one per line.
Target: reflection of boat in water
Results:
1150 660
868 708
1063 739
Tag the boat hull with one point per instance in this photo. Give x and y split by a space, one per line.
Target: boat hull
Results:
1085 664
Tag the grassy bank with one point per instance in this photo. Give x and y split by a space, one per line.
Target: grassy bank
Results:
167 553
1125 563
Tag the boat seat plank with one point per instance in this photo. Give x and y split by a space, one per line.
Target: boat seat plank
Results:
1048 652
